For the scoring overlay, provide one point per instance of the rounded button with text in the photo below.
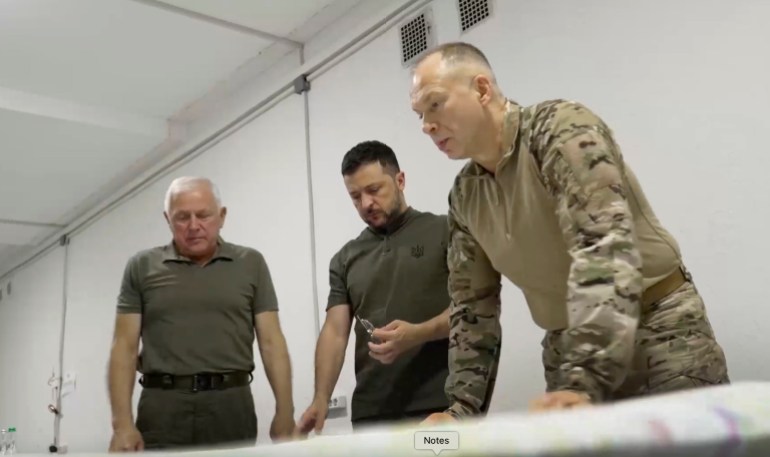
(436, 441)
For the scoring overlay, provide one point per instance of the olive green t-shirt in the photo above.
(400, 274)
(197, 319)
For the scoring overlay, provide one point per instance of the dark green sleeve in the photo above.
(265, 298)
(338, 289)
(130, 296)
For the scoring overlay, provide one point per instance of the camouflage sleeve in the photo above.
(474, 322)
(582, 167)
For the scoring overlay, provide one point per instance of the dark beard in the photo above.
(393, 217)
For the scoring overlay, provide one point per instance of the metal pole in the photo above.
(65, 243)
(30, 223)
(311, 203)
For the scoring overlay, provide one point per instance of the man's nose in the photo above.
(367, 201)
(195, 223)
(428, 127)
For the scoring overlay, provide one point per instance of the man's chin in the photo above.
(197, 248)
(453, 154)
(376, 225)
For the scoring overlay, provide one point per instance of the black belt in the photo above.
(196, 382)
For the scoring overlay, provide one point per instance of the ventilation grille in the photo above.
(416, 37)
(473, 12)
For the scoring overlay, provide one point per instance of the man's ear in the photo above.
(483, 88)
(223, 214)
(401, 180)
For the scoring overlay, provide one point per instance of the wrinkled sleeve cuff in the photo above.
(578, 380)
(459, 411)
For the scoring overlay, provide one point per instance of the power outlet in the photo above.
(337, 403)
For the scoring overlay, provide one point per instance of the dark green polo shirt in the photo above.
(401, 274)
(196, 318)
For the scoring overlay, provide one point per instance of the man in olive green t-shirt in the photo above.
(394, 277)
(196, 304)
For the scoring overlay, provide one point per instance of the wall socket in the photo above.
(338, 402)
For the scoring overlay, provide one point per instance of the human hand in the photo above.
(282, 427)
(395, 338)
(560, 399)
(438, 418)
(126, 439)
(313, 418)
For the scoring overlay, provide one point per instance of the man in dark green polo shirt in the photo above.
(393, 276)
(196, 304)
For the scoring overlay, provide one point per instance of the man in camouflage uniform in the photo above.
(547, 201)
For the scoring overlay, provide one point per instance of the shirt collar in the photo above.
(396, 224)
(224, 251)
(510, 137)
(511, 128)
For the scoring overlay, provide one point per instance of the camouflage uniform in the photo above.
(566, 221)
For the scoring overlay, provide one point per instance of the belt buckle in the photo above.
(201, 382)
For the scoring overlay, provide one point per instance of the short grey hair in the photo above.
(187, 183)
(462, 55)
(457, 52)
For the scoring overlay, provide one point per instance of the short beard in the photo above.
(391, 214)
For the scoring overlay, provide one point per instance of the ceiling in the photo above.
(89, 88)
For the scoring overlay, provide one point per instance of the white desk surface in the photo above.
(724, 421)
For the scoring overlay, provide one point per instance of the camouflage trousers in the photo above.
(675, 349)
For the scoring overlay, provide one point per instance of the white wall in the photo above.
(262, 177)
(682, 84)
(30, 335)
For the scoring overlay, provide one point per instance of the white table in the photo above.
(725, 421)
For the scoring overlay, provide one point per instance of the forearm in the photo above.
(604, 286)
(583, 169)
(329, 358)
(275, 356)
(121, 379)
(474, 322)
(474, 340)
(603, 303)
(434, 329)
